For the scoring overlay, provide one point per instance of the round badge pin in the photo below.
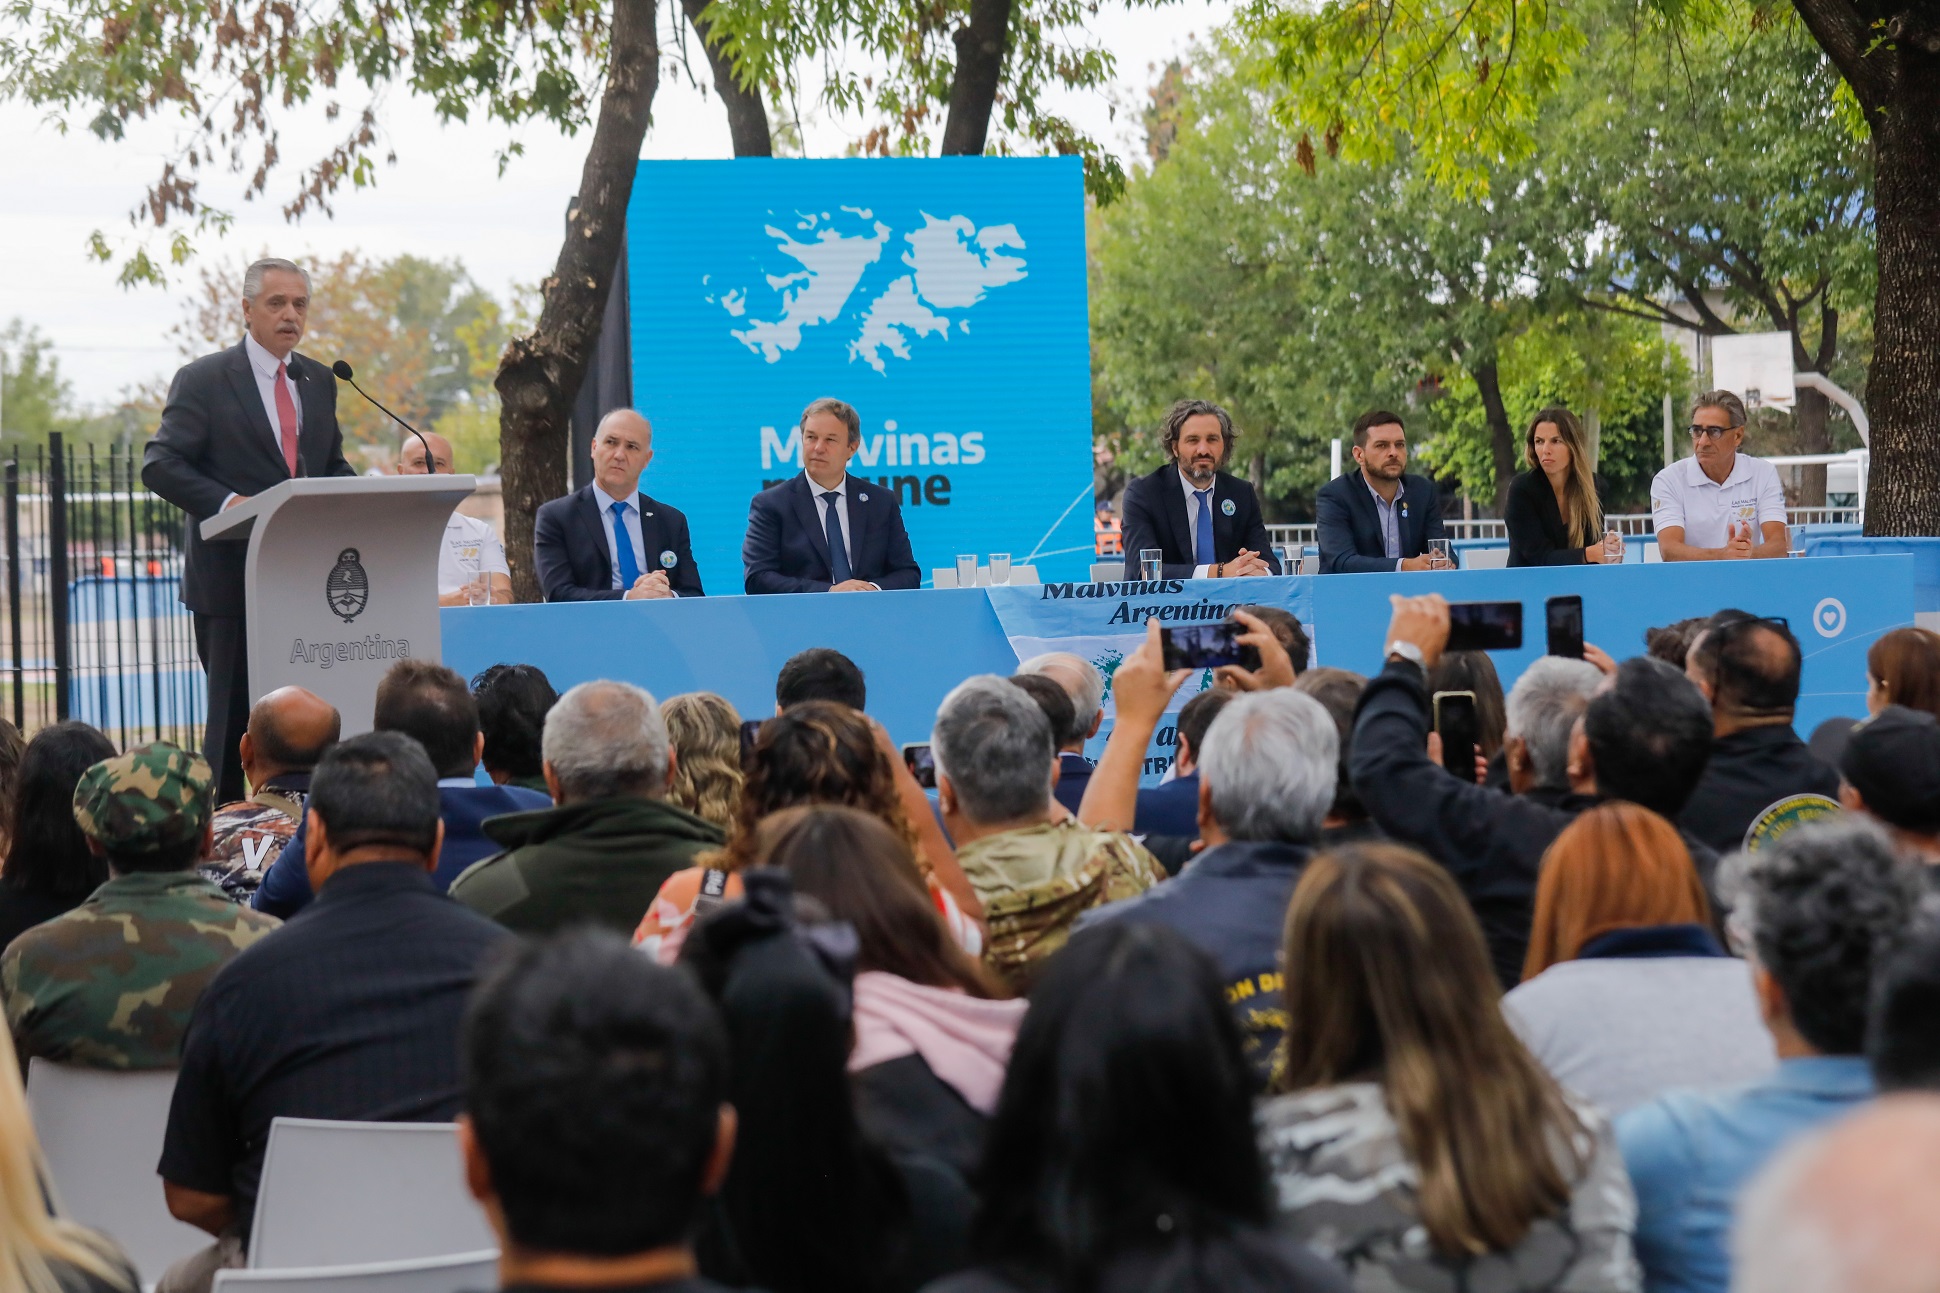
(861, 498)
(668, 560)
(1226, 506)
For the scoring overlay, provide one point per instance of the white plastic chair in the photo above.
(101, 1132)
(462, 1273)
(1107, 572)
(1485, 559)
(942, 577)
(334, 1193)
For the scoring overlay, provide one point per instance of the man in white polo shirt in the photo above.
(1718, 504)
(470, 556)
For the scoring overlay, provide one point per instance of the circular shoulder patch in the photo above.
(668, 560)
(1226, 506)
(1786, 816)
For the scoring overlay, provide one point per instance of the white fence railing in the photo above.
(1627, 523)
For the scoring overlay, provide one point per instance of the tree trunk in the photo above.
(1256, 473)
(1903, 495)
(540, 374)
(981, 46)
(1502, 437)
(1810, 413)
(747, 115)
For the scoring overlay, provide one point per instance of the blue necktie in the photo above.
(1203, 553)
(629, 564)
(832, 524)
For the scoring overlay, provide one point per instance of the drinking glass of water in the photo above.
(966, 570)
(1612, 547)
(1439, 557)
(470, 569)
(1151, 564)
(1289, 554)
(999, 568)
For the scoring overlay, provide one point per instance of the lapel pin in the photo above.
(861, 498)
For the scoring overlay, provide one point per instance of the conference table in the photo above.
(913, 646)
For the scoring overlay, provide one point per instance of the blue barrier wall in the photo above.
(914, 646)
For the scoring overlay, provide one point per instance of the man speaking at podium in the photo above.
(237, 423)
(825, 530)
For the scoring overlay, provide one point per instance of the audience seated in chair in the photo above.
(430, 704)
(289, 729)
(49, 867)
(112, 983)
(1086, 687)
(349, 1012)
(611, 839)
(513, 701)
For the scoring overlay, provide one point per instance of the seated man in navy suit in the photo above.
(825, 530)
(1206, 522)
(1172, 807)
(576, 540)
(1377, 517)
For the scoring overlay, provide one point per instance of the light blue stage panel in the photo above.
(943, 297)
(914, 646)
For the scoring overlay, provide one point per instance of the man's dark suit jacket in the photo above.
(215, 440)
(569, 547)
(1155, 517)
(1350, 528)
(787, 550)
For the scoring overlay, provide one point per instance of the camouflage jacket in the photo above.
(250, 833)
(111, 984)
(1341, 1183)
(1033, 883)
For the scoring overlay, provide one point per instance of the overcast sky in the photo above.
(441, 199)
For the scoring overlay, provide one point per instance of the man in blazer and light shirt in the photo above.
(825, 530)
(1377, 517)
(608, 541)
(238, 422)
(1207, 523)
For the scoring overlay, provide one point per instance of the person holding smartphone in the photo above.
(1719, 504)
(1555, 508)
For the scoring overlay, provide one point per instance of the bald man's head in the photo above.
(289, 729)
(410, 455)
(1749, 666)
(1848, 1210)
(621, 449)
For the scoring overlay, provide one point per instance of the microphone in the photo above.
(345, 373)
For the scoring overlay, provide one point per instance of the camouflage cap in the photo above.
(150, 798)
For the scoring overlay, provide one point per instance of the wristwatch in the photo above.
(1408, 651)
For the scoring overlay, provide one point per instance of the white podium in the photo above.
(342, 581)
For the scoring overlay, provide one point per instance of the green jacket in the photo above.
(112, 983)
(599, 862)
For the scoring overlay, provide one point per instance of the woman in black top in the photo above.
(1555, 509)
(49, 868)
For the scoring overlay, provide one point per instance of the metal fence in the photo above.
(1629, 524)
(95, 628)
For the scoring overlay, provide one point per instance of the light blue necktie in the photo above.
(622, 544)
(1203, 553)
(839, 570)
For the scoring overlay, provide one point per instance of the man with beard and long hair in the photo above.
(1207, 523)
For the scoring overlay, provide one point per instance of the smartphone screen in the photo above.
(1455, 720)
(1484, 626)
(1207, 646)
(1565, 619)
(749, 731)
(921, 764)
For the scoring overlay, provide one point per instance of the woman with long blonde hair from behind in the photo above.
(1414, 1140)
(706, 734)
(40, 1253)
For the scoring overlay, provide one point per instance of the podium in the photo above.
(341, 580)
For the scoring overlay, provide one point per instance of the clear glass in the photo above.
(1151, 564)
(1289, 554)
(999, 568)
(1612, 547)
(469, 570)
(1440, 555)
(966, 570)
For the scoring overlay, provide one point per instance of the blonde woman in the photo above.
(706, 733)
(40, 1253)
(1555, 509)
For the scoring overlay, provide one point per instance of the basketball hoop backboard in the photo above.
(1756, 366)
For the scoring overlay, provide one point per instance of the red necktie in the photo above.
(286, 416)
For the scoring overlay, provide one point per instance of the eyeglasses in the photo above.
(1700, 432)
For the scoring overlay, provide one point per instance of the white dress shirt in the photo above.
(1390, 518)
(1682, 495)
(264, 365)
(1192, 520)
(841, 505)
(468, 539)
(630, 518)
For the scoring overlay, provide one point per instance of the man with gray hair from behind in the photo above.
(1086, 687)
(995, 766)
(1266, 780)
(1542, 708)
(1849, 1209)
(601, 852)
